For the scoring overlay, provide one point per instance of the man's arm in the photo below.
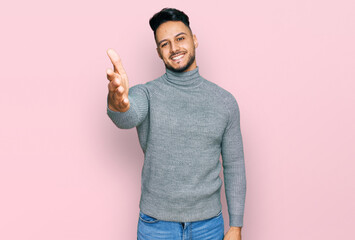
(234, 166)
(127, 107)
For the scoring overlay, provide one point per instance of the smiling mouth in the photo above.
(178, 57)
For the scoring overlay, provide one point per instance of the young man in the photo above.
(184, 123)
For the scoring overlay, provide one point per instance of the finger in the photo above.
(119, 101)
(123, 103)
(116, 62)
(111, 75)
(113, 86)
(120, 90)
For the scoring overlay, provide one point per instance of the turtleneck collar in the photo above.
(184, 79)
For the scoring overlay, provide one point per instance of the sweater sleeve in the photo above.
(137, 112)
(233, 166)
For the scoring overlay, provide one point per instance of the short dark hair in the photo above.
(168, 14)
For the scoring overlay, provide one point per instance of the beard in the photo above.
(182, 68)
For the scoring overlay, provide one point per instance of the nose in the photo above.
(174, 47)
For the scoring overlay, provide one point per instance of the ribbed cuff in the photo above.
(235, 220)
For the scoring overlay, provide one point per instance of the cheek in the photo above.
(166, 55)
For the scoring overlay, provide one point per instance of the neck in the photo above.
(184, 79)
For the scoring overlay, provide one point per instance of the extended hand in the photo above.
(118, 87)
(234, 233)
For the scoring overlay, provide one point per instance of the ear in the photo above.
(159, 53)
(195, 41)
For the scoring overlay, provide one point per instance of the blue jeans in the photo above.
(150, 228)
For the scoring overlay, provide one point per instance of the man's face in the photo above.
(176, 46)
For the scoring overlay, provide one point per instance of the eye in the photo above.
(181, 38)
(164, 44)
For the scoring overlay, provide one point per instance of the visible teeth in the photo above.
(178, 57)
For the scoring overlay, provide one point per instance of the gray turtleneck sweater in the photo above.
(184, 124)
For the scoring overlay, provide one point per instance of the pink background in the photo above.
(68, 173)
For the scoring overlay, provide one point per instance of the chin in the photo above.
(179, 69)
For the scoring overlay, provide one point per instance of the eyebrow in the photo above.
(175, 36)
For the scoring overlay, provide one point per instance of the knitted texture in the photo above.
(184, 124)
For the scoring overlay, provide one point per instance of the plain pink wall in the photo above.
(67, 173)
